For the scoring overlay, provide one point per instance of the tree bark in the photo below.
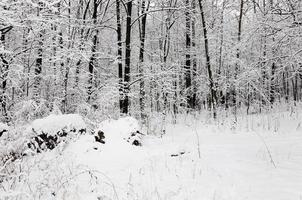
(141, 59)
(38, 65)
(237, 66)
(119, 55)
(208, 60)
(221, 96)
(92, 61)
(194, 61)
(125, 109)
(4, 72)
(188, 80)
(81, 47)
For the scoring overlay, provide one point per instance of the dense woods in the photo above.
(150, 99)
(146, 57)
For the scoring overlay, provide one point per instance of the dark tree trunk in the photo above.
(92, 61)
(208, 61)
(39, 62)
(194, 61)
(188, 80)
(120, 54)
(221, 97)
(78, 64)
(295, 87)
(125, 109)
(264, 72)
(272, 84)
(67, 67)
(3, 77)
(141, 59)
(38, 69)
(237, 66)
(272, 88)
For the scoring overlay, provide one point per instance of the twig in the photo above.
(198, 142)
(268, 150)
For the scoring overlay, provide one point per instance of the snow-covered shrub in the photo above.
(49, 175)
(11, 143)
(11, 153)
(48, 132)
(29, 110)
(96, 112)
(157, 124)
(84, 109)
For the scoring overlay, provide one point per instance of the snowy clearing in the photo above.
(194, 160)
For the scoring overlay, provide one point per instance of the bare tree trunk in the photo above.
(120, 54)
(4, 72)
(26, 60)
(92, 61)
(78, 64)
(194, 61)
(141, 59)
(208, 61)
(237, 67)
(272, 88)
(272, 83)
(264, 73)
(221, 98)
(127, 57)
(295, 87)
(67, 68)
(38, 70)
(62, 57)
(188, 80)
(54, 54)
(39, 61)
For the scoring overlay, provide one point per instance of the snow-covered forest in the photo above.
(151, 99)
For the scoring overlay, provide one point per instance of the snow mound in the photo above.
(115, 154)
(123, 125)
(53, 124)
(117, 131)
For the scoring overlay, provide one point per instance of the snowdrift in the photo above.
(124, 129)
(56, 123)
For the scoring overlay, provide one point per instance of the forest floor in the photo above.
(259, 159)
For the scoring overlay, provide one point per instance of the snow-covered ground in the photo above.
(259, 158)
